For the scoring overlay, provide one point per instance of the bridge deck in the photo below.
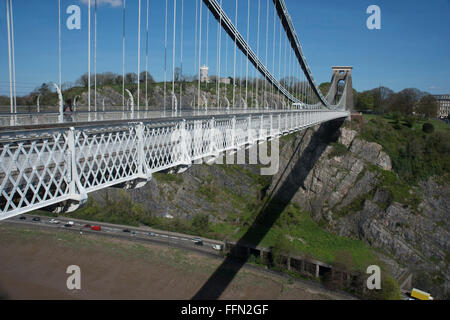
(46, 166)
(52, 119)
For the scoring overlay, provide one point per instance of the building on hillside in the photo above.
(444, 104)
(226, 80)
(204, 74)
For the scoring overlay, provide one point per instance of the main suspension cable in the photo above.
(146, 60)
(173, 54)
(123, 55)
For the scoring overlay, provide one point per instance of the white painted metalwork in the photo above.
(59, 165)
(41, 168)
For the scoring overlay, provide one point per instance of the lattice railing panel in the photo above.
(159, 152)
(42, 168)
(33, 173)
(103, 158)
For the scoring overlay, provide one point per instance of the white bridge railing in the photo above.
(58, 167)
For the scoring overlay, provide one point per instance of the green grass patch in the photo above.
(310, 239)
(338, 150)
(415, 155)
(168, 178)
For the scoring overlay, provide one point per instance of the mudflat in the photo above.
(33, 264)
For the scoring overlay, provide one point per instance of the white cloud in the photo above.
(112, 3)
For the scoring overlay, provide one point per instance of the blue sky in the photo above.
(410, 50)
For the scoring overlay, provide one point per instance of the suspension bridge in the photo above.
(263, 89)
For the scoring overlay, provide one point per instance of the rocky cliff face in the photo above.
(347, 185)
(348, 191)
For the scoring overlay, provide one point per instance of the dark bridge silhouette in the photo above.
(276, 203)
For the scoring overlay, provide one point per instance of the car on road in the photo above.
(54, 221)
(126, 230)
(23, 218)
(36, 219)
(152, 234)
(96, 228)
(217, 247)
(67, 225)
(198, 241)
(88, 226)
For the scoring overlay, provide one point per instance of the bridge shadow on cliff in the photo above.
(283, 192)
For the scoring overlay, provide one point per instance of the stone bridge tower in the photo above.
(341, 74)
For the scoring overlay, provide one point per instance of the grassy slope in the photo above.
(415, 155)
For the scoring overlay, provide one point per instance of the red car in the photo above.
(96, 228)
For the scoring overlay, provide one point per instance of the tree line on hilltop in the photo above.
(382, 100)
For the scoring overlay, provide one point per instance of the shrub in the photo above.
(281, 249)
(200, 223)
(396, 118)
(428, 128)
(390, 290)
(338, 150)
(410, 121)
(344, 260)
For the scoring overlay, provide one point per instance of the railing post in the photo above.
(185, 152)
(279, 123)
(261, 127)
(233, 132)
(76, 190)
(143, 170)
(271, 125)
(286, 122)
(212, 143)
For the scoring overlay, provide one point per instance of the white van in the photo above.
(217, 247)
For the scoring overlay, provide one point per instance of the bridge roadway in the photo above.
(43, 166)
(10, 121)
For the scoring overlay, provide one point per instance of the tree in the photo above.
(178, 74)
(44, 89)
(389, 289)
(83, 81)
(149, 77)
(404, 102)
(428, 107)
(118, 79)
(67, 86)
(200, 223)
(107, 79)
(428, 128)
(325, 87)
(131, 78)
(281, 250)
(365, 101)
(380, 98)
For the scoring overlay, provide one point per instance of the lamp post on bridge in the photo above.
(75, 103)
(132, 103)
(60, 97)
(38, 105)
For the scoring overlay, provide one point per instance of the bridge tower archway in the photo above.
(341, 74)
